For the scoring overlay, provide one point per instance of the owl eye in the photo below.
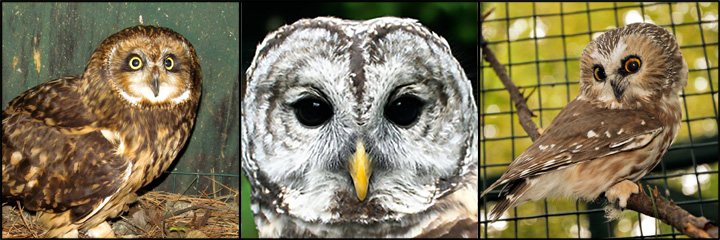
(599, 73)
(632, 64)
(135, 63)
(312, 111)
(169, 63)
(404, 110)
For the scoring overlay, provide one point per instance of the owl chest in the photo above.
(150, 150)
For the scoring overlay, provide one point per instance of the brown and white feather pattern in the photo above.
(614, 132)
(76, 149)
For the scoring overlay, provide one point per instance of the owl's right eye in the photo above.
(599, 73)
(135, 63)
(312, 111)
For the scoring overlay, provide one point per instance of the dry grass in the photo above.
(155, 215)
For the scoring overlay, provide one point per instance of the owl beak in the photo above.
(155, 82)
(360, 170)
(618, 86)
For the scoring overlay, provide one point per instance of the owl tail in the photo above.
(518, 188)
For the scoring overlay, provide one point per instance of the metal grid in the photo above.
(556, 73)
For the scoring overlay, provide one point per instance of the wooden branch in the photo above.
(524, 113)
(668, 212)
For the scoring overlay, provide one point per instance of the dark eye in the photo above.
(169, 63)
(312, 111)
(135, 63)
(404, 110)
(599, 73)
(632, 64)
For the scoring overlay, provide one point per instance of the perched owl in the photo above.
(76, 149)
(615, 131)
(359, 129)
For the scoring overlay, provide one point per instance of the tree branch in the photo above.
(668, 212)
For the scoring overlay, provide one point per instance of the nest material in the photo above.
(155, 215)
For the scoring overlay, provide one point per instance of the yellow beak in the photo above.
(360, 170)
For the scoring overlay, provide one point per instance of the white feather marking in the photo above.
(182, 97)
(607, 134)
(591, 134)
(526, 171)
(543, 147)
(614, 145)
(642, 122)
(621, 131)
(548, 163)
(131, 99)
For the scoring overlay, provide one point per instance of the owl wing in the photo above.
(56, 103)
(48, 164)
(582, 132)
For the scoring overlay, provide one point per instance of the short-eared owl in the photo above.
(76, 149)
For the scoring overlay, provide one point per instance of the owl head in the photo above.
(146, 66)
(356, 121)
(629, 66)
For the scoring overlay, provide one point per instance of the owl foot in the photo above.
(102, 230)
(621, 191)
(71, 234)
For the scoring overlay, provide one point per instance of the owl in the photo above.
(359, 129)
(76, 149)
(626, 115)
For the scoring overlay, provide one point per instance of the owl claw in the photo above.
(620, 192)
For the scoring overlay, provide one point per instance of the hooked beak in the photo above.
(618, 86)
(155, 84)
(360, 170)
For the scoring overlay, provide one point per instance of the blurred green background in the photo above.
(549, 66)
(46, 41)
(456, 22)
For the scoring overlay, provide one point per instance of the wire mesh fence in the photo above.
(540, 45)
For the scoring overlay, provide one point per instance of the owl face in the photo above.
(624, 66)
(148, 66)
(350, 121)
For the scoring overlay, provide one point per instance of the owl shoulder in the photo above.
(56, 103)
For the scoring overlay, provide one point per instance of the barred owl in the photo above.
(625, 117)
(76, 149)
(359, 129)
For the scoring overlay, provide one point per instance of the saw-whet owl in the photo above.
(623, 120)
(76, 149)
(359, 129)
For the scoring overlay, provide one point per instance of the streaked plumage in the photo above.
(614, 132)
(359, 129)
(76, 149)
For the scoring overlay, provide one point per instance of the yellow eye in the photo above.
(632, 64)
(169, 63)
(599, 73)
(135, 63)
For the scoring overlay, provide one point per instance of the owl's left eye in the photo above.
(169, 63)
(404, 110)
(632, 64)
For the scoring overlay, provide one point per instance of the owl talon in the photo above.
(620, 192)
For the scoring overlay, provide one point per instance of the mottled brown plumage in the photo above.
(614, 132)
(75, 149)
